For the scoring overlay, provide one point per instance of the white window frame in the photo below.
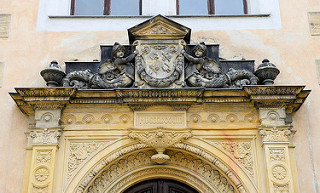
(54, 15)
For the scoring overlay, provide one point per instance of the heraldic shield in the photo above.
(159, 63)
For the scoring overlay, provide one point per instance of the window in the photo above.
(106, 7)
(217, 7)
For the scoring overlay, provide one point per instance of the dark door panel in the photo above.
(160, 186)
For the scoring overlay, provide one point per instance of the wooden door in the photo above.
(160, 186)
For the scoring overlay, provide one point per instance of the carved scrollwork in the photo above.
(78, 79)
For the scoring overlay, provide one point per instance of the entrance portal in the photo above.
(160, 186)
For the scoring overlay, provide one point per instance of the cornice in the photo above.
(289, 97)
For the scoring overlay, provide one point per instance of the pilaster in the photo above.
(276, 137)
(44, 108)
(275, 105)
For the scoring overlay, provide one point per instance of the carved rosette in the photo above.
(160, 139)
(42, 169)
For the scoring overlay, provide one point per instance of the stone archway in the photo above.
(188, 164)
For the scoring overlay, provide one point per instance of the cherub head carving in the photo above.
(200, 50)
(118, 50)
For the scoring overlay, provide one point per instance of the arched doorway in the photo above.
(160, 186)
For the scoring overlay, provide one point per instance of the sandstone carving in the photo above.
(41, 174)
(124, 165)
(160, 139)
(45, 136)
(80, 152)
(159, 58)
(242, 151)
(43, 157)
(205, 72)
(115, 73)
(277, 155)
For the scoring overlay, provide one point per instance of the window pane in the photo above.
(223, 7)
(125, 7)
(193, 7)
(88, 7)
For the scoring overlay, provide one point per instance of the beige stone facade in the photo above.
(68, 140)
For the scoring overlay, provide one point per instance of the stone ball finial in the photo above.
(53, 74)
(267, 72)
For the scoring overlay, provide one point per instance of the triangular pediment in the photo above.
(159, 28)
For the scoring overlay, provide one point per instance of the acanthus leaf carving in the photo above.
(242, 151)
(45, 136)
(160, 139)
(276, 134)
(80, 152)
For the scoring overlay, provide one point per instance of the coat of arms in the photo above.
(159, 64)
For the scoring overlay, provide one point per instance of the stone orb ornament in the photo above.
(53, 74)
(267, 72)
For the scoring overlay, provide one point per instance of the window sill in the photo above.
(149, 16)
(122, 23)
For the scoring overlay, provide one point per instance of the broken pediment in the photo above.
(159, 28)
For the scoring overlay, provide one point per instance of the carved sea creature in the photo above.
(205, 72)
(115, 73)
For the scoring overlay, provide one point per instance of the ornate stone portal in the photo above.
(158, 112)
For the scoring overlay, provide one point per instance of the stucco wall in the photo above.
(28, 50)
